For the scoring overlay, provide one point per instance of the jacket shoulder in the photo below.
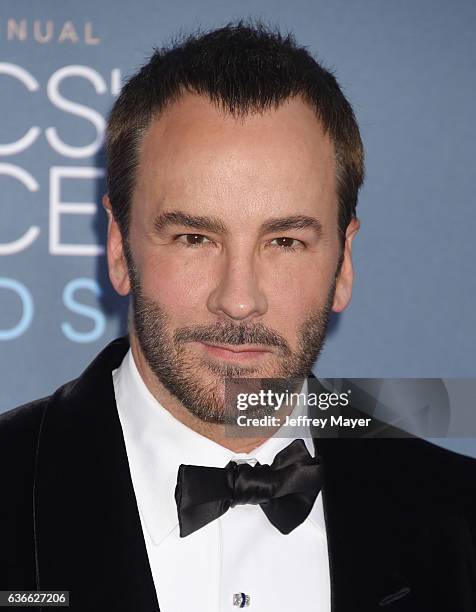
(20, 426)
(407, 470)
(20, 429)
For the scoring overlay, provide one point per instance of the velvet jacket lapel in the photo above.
(363, 539)
(88, 534)
(381, 532)
(401, 522)
(363, 543)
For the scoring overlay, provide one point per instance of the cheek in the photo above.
(179, 286)
(293, 298)
(306, 286)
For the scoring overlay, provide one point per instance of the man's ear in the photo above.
(345, 278)
(116, 261)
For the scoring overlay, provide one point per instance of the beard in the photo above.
(165, 351)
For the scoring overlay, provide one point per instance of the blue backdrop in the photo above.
(409, 70)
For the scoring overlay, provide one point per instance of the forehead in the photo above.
(196, 156)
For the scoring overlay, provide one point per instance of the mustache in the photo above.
(235, 335)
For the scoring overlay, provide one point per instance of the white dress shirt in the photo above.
(240, 552)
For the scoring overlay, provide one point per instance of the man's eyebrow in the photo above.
(215, 225)
(175, 217)
(295, 222)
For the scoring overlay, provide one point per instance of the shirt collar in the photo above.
(157, 443)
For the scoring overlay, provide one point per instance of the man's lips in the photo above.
(242, 352)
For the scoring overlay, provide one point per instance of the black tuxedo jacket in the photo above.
(400, 513)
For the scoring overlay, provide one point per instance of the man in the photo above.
(234, 164)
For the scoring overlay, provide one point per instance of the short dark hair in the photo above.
(241, 67)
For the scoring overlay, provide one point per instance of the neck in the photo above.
(213, 431)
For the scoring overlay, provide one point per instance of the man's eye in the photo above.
(287, 244)
(192, 240)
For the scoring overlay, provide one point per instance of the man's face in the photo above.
(233, 248)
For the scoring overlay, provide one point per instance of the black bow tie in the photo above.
(286, 490)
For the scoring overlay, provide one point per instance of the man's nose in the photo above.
(237, 293)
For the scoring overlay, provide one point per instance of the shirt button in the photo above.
(241, 600)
